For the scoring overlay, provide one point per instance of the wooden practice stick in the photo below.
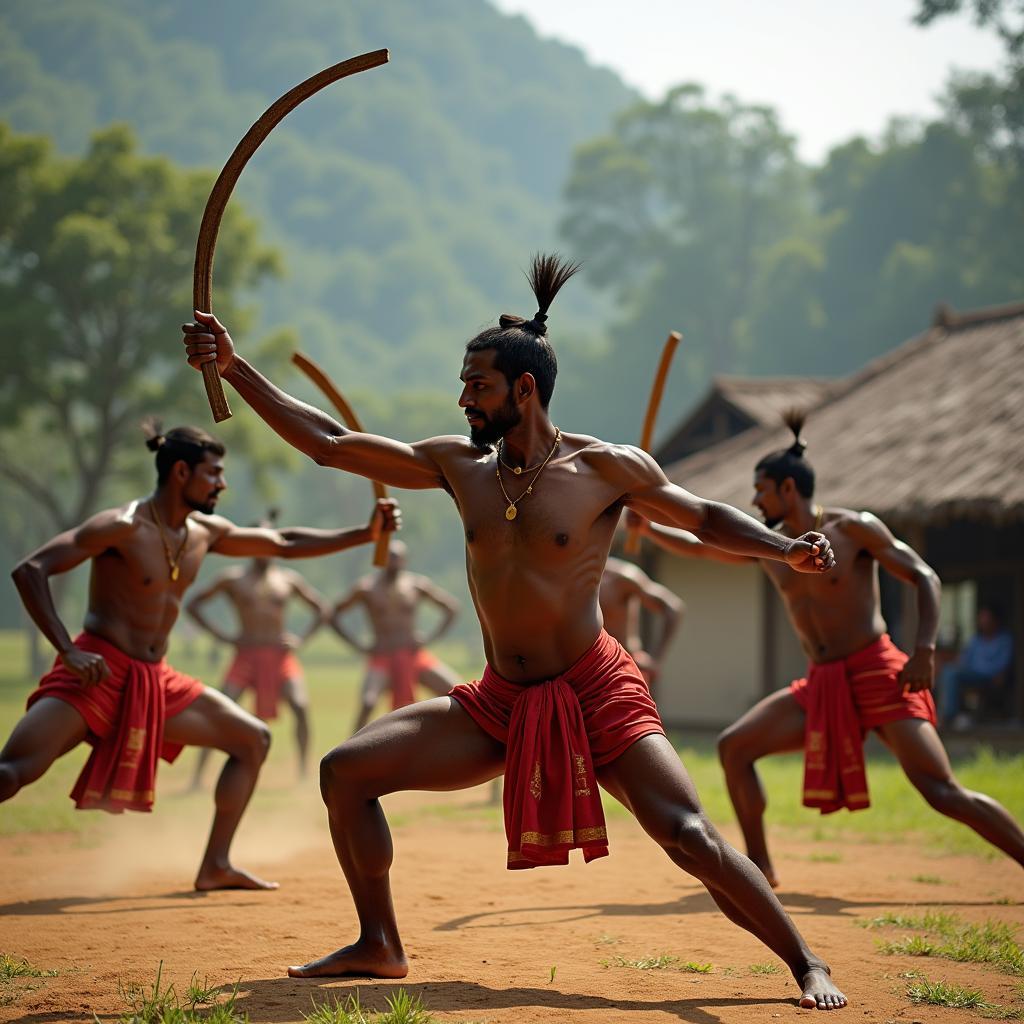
(647, 435)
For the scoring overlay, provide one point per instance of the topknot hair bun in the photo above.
(795, 420)
(153, 430)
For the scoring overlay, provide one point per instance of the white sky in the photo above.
(832, 68)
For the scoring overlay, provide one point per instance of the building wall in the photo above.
(714, 669)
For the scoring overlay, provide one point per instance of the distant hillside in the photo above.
(406, 200)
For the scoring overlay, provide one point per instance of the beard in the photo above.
(206, 507)
(771, 521)
(494, 427)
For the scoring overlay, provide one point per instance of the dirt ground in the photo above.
(483, 941)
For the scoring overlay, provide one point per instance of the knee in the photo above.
(692, 841)
(946, 796)
(339, 772)
(257, 743)
(698, 844)
(732, 750)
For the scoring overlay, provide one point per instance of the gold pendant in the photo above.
(517, 470)
(174, 572)
(511, 513)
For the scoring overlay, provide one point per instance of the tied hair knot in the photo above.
(795, 419)
(154, 431)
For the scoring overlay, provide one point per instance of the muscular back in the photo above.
(839, 612)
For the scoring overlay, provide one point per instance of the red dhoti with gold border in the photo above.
(555, 733)
(125, 715)
(265, 669)
(843, 699)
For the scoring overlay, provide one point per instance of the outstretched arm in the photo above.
(32, 578)
(301, 542)
(195, 605)
(682, 542)
(907, 565)
(648, 491)
(448, 605)
(305, 427)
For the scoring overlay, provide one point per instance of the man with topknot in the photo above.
(111, 685)
(561, 707)
(858, 680)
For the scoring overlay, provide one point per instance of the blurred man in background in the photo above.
(265, 659)
(397, 654)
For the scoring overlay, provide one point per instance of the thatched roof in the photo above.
(734, 404)
(930, 431)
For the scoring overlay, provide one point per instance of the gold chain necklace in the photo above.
(172, 560)
(511, 511)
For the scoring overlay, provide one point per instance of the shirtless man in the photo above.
(398, 656)
(111, 686)
(858, 680)
(568, 697)
(264, 649)
(625, 589)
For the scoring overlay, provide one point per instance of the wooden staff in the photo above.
(647, 436)
(351, 420)
(202, 274)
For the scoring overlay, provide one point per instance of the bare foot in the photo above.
(361, 959)
(820, 991)
(229, 878)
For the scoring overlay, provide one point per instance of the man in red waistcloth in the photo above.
(110, 686)
(398, 658)
(265, 659)
(625, 589)
(858, 679)
(561, 706)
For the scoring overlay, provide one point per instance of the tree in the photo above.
(95, 277)
(996, 13)
(674, 210)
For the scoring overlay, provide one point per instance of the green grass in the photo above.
(12, 967)
(947, 936)
(156, 1004)
(402, 1009)
(764, 969)
(929, 879)
(941, 993)
(662, 962)
(826, 858)
(693, 967)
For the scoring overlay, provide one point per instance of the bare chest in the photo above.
(852, 571)
(567, 511)
(147, 569)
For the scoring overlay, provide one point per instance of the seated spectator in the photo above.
(983, 665)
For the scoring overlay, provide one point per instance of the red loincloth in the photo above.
(125, 715)
(555, 733)
(844, 699)
(403, 669)
(266, 669)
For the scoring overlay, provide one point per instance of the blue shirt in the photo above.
(988, 655)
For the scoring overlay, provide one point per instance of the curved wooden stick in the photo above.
(202, 274)
(351, 420)
(647, 434)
